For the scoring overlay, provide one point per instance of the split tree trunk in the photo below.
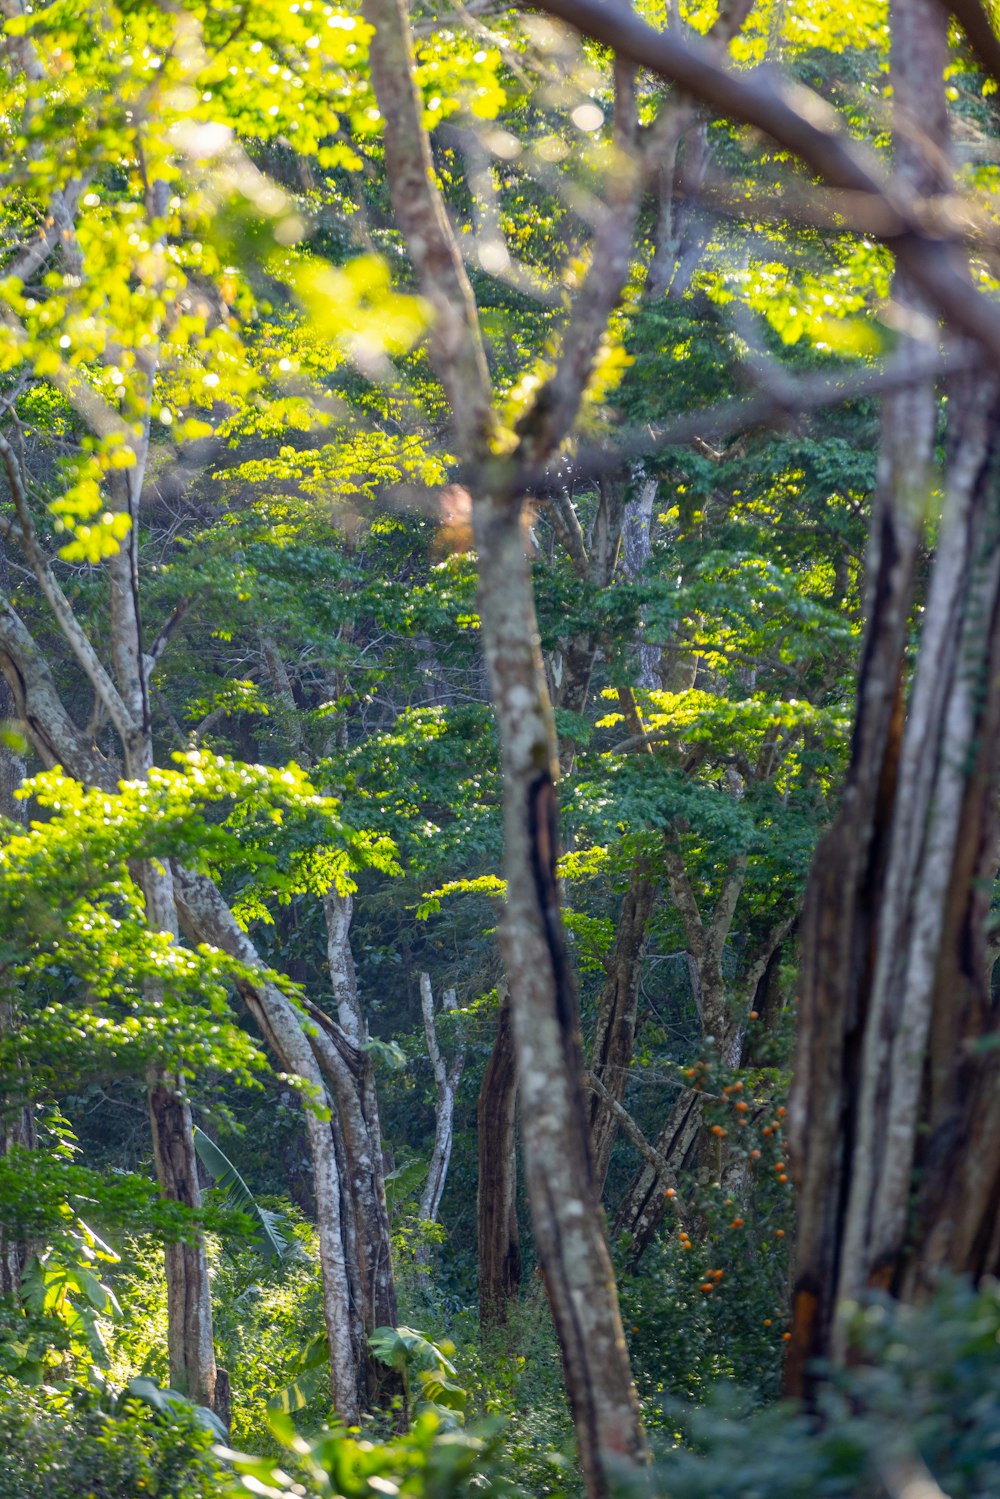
(895, 1117)
(499, 1238)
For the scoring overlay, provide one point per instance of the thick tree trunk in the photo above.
(614, 1031)
(499, 1239)
(873, 937)
(566, 1214)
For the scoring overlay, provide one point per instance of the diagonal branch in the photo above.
(53, 734)
(649, 1153)
(68, 623)
(456, 346)
(800, 121)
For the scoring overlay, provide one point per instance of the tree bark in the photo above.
(342, 1053)
(614, 1031)
(208, 919)
(189, 1309)
(446, 1081)
(566, 1212)
(499, 1238)
(892, 994)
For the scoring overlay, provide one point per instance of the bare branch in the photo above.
(785, 399)
(168, 627)
(456, 343)
(803, 123)
(629, 1127)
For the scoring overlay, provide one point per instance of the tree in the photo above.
(871, 995)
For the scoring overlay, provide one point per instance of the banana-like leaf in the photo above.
(311, 1377)
(273, 1243)
(167, 1402)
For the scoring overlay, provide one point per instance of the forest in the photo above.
(499, 749)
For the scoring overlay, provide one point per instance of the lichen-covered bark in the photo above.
(888, 1080)
(446, 1081)
(566, 1214)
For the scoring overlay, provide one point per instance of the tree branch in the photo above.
(803, 123)
(68, 623)
(629, 1127)
(456, 346)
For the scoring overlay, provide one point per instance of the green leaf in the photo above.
(273, 1243)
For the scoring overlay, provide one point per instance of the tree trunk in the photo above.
(637, 546)
(875, 946)
(446, 1080)
(566, 1214)
(347, 1066)
(614, 1031)
(499, 1239)
(569, 1229)
(209, 919)
(189, 1308)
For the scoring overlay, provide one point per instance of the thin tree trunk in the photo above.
(189, 1320)
(446, 1081)
(614, 1031)
(347, 1066)
(499, 1238)
(209, 919)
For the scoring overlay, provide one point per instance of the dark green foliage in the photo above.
(926, 1400)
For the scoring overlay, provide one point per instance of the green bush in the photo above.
(69, 1445)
